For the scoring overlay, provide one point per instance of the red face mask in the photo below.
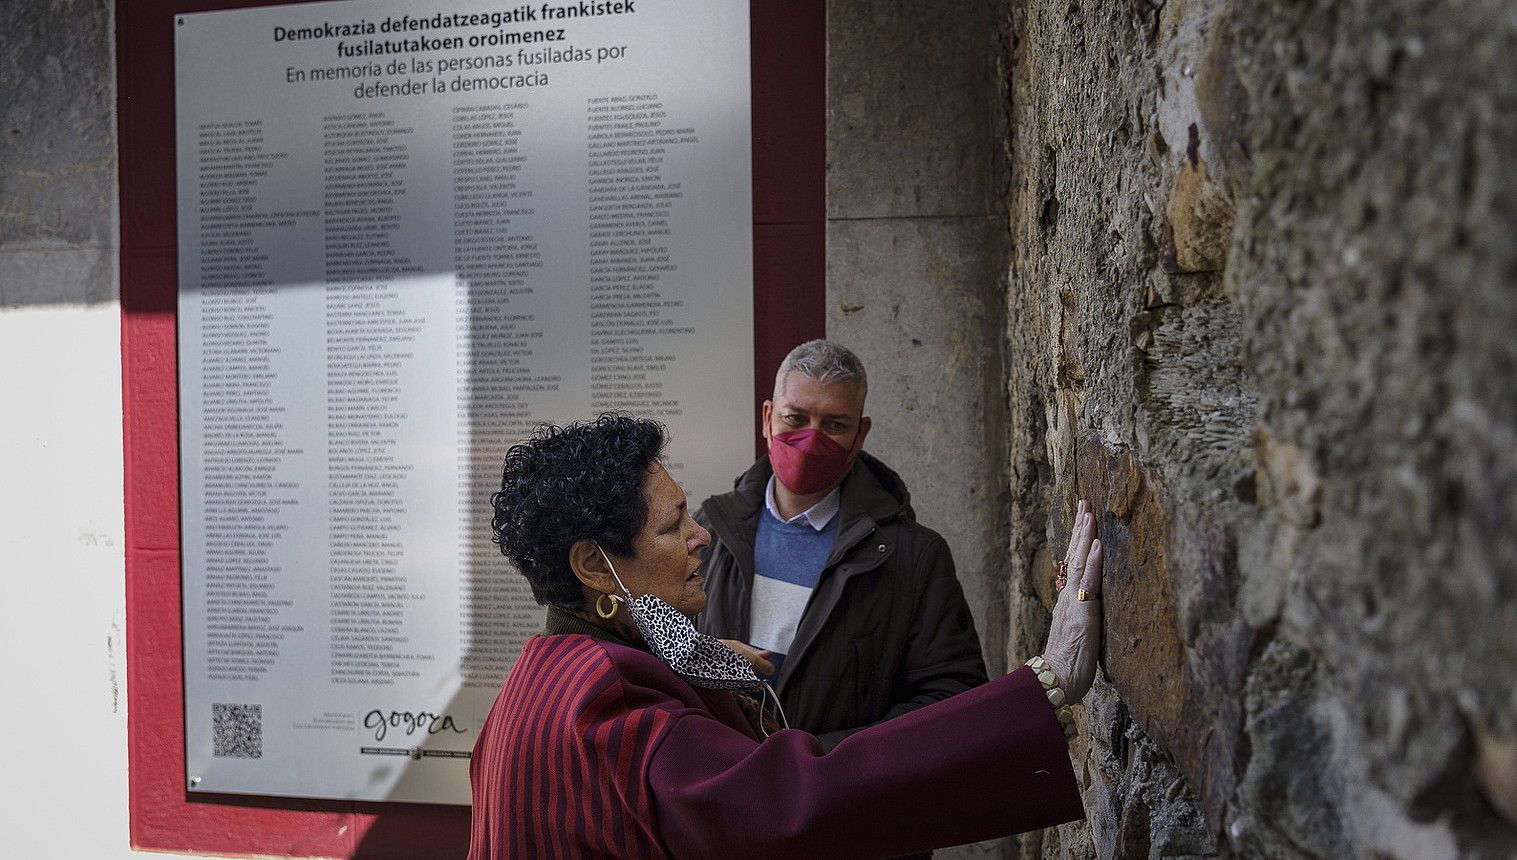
(808, 461)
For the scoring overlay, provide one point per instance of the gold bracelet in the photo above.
(1055, 695)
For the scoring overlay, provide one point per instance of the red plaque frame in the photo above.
(789, 127)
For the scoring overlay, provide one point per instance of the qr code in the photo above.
(237, 731)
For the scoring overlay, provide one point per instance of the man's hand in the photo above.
(1074, 640)
(757, 657)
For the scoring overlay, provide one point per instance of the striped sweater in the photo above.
(596, 749)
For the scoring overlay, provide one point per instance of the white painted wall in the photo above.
(63, 655)
(63, 777)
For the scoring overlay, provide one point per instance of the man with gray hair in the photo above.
(818, 571)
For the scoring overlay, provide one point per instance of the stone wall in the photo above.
(1261, 310)
(57, 154)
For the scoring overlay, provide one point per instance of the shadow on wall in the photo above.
(57, 155)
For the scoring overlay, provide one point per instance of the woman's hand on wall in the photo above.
(1074, 640)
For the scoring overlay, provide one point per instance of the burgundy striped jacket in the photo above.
(597, 749)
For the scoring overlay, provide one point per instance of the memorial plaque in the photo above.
(408, 232)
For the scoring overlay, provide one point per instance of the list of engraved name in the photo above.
(337, 499)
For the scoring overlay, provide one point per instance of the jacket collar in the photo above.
(874, 490)
(562, 621)
(729, 706)
(871, 490)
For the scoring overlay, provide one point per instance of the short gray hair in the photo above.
(825, 361)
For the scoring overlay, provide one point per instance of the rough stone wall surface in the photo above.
(1260, 310)
(57, 153)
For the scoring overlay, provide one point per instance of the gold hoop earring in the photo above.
(602, 611)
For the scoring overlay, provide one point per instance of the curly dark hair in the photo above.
(565, 484)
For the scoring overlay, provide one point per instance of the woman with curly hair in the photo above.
(623, 732)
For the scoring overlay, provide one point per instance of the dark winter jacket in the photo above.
(886, 630)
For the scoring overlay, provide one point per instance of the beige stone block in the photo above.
(913, 119)
(919, 301)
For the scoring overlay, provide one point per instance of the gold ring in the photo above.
(1082, 595)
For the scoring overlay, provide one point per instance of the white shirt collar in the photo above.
(817, 516)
